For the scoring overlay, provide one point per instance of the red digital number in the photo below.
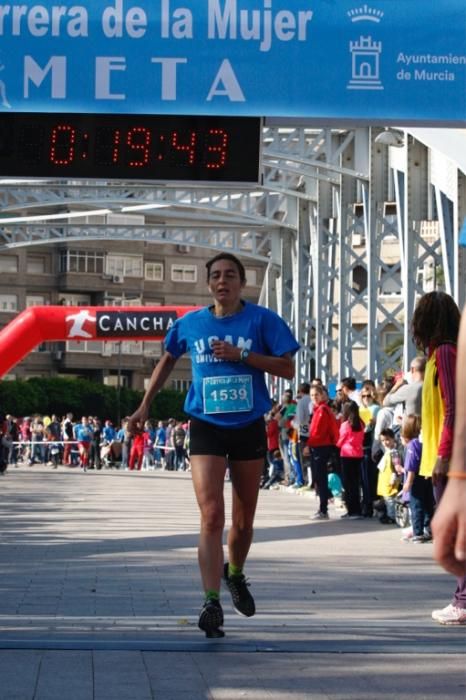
(188, 148)
(138, 141)
(62, 144)
(116, 146)
(218, 150)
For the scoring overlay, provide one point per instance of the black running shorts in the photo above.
(242, 444)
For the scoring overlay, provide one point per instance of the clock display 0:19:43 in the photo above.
(129, 146)
(137, 147)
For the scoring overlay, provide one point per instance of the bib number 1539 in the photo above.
(228, 394)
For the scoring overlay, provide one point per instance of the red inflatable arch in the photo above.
(43, 323)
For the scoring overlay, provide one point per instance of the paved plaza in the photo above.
(99, 597)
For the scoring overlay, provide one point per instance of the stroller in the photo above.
(402, 515)
(110, 454)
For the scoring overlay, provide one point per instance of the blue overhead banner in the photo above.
(395, 60)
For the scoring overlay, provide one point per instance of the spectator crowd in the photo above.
(90, 443)
(361, 447)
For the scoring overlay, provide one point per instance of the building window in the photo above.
(251, 277)
(35, 265)
(83, 346)
(152, 348)
(124, 265)
(359, 336)
(359, 279)
(35, 300)
(8, 302)
(8, 263)
(75, 299)
(392, 340)
(116, 381)
(184, 273)
(122, 300)
(153, 271)
(181, 384)
(390, 279)
(89, 262)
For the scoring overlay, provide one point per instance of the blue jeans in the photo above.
(284, 449)
(390, 503)
(421, 504)
(296, 463)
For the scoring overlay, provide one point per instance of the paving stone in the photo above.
(100, 592)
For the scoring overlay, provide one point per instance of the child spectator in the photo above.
(293, 453)
(276, 470)
(335, 485)
(416, 488)
(388, 481)
(350, 442)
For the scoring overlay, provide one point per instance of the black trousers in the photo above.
(320, 457)
(351, 473)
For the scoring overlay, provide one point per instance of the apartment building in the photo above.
(107, 274)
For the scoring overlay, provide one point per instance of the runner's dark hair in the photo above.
(436, 320)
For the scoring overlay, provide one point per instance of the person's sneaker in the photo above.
(319, 516)
(211, 619)
(418, 539)
(451, 615)
(243, 602)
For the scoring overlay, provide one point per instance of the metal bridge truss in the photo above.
(351, 231)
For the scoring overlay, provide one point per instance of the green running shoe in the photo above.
(243, 602)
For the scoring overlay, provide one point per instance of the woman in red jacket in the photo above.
(323, 436)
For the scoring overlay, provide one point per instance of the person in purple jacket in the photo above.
(416, 489)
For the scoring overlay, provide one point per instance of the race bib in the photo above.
(228, 394)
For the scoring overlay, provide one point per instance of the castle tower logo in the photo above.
(365, 52)
(365, 14)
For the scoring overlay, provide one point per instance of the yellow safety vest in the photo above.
(433, 413)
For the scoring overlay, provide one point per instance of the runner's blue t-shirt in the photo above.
(229, 394)
(83, 433)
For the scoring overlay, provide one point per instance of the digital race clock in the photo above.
(148, 147)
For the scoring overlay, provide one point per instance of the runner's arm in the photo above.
(159, 376)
